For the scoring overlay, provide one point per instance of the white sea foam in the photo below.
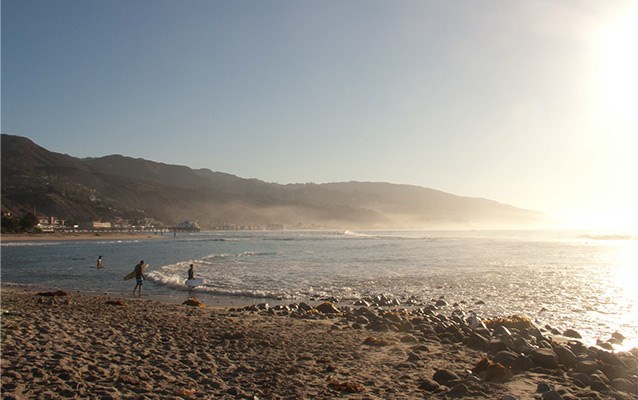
(553, 277)
(30, 244)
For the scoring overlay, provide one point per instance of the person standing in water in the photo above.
(191, 272)
(139, 278)
(99, 262)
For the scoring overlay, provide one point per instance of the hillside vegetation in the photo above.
(114, 186)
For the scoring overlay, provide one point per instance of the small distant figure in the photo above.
(139, 278)
(99, 262)
(191, 272)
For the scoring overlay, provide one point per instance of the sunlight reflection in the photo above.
(626, 281)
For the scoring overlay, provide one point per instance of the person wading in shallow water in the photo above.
(99, 262)
(191, 275)
(139, 278)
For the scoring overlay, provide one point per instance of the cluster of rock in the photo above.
(510, 346)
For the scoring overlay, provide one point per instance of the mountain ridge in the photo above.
(115, 186)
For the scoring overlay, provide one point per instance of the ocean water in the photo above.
(568, 279)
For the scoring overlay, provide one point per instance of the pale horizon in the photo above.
(531, 104)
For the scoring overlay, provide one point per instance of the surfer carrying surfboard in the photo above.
(139, 278)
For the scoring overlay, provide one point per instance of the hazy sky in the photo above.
(531, 103)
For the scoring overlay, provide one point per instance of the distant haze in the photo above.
(114, 188)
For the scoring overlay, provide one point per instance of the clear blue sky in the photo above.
(531, 103)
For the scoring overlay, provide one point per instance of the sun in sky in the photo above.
(619, 63)
(615, 100)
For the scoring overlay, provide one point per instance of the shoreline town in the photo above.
(72, 345)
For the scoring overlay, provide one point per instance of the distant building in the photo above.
(187, 225)
(101, 225)
(49, 223)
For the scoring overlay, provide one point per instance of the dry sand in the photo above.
(79, 346)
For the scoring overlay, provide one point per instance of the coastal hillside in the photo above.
(114, 187)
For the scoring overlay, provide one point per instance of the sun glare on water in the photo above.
(626, 278)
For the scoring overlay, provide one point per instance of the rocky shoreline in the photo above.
(77, 346)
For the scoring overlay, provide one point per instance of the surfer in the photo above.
(191, 272)
(99, 262)
(139, 278)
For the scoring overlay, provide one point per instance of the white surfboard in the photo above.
(194, 282)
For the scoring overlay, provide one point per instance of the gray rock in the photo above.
(624, 385)
(545, 358)
(543, 387)
(303, 306)
(565, 356)
(600, 376)
(444, 376)
(586, 367)
(496, 345)
(598, 386)
(460, 390)
(580, 379)
(523, 363)
(552, 395)
(429, 385)
(618, 336)
(421, 347)
(477, 341)
(605, 345)
(409, 339)
(506, 358)
(441, 303)
(572, 334)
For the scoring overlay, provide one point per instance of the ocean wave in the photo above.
(29, 244)
(380, 235)
(619, 237)
(178, 283)
(257, 253)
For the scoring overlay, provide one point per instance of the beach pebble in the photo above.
(409, 339)
(618, 336)
(543, 387)
(598, 386)
(586, 367)
(624, 385)
(545, 358)
(505, 357)
(552, 395)
(440, 303)
(460, 390)
(444, 377)
(565, 356)
(571, 333)
(477, 341)
(429, 385)
(580, 379)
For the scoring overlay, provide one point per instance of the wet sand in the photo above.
(71, 236)
(80, 346)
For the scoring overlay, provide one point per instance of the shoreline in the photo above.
(115, 347)
(79, 236)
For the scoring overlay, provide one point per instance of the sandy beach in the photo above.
(37, 237)
(87, 346)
